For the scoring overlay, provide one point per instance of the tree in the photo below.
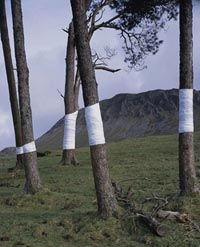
(72, 86)
(187, 175)
(33, 182)
(95, 23)
(139, 23)
(107, 204)
(11, 85)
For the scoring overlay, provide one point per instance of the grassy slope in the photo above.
(64, 214)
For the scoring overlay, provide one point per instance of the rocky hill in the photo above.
(128, 115)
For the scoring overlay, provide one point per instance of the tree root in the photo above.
(68, 158)
(69, 162)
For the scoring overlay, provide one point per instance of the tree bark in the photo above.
(68, 155)
(187, 175)
(107, 204)
(11, 83)
(33, 182)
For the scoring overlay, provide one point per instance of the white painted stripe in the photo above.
(186, 121)
(94, 125)
(19, 150)
(69, 131)
(29, 147)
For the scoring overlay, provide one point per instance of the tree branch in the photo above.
(106, 69)
(87, 4)
(100, 59)
(105, 24)
(60, 93)
(65, 30)
(94, 15)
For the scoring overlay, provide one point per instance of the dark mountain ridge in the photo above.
(128, 115)
(125, 116)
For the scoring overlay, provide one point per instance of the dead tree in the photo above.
(70, 102)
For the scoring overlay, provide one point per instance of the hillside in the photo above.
(64, 213)
(128, 115)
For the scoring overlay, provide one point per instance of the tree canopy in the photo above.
(138, 23)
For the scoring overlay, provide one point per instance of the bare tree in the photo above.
(187, 175)
(33, 182)
(11, 85)
(72, 85)
(107, 204)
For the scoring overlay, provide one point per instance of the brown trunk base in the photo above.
(107, 203)
(33, 182)
(187, 174)
(69, 158)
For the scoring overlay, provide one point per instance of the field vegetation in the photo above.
(64, 213)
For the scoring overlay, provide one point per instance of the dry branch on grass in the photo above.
(136, 214)
(180, 218)
(154, 219)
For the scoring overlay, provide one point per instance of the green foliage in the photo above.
(140, 23)
(64, 213)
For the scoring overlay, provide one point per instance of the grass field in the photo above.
(64, 213)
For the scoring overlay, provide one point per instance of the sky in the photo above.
(45, 44)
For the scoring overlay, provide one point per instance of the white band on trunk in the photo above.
(29, 147)
(94, 125)
(186, 122)
(69, 130)
(19, 150)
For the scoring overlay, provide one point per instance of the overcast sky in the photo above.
(46, 47)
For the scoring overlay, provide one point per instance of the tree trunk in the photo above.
(33, 182)
(11, 83)
(107, 204)
(68, 155)
(72, 95)
(69, 158)
(187, 175)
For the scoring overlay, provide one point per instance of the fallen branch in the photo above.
(171, 215)
(179, 217)
(154, 219)
(153, 224)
